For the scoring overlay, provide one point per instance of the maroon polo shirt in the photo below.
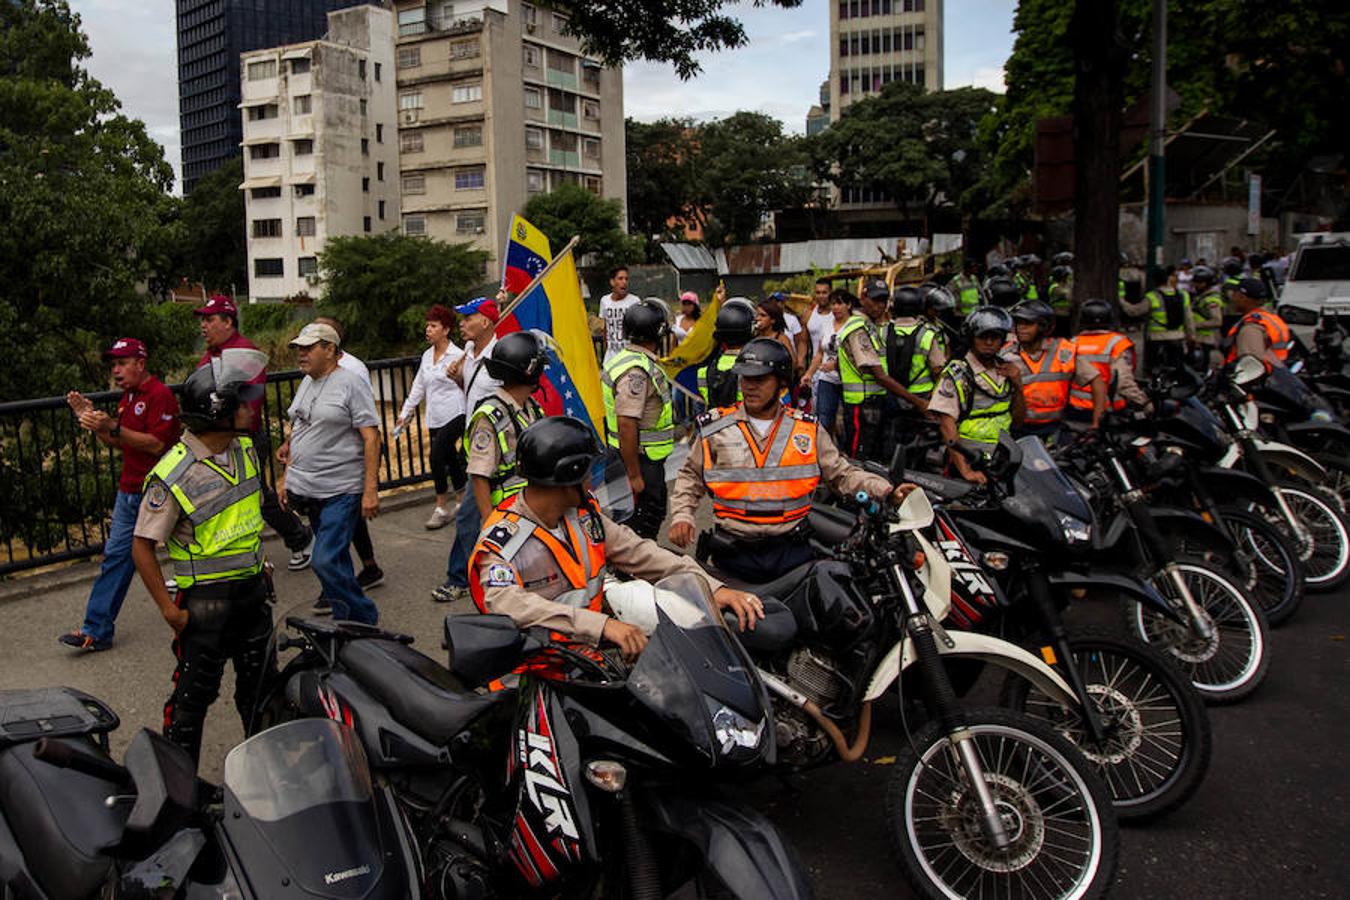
(150, 408)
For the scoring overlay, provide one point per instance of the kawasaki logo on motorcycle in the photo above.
(335, 877)
(543, 784)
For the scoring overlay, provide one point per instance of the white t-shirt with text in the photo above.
(612, 311)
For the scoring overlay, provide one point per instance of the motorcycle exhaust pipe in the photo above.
(805, 704)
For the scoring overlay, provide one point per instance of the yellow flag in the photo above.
(697, 344)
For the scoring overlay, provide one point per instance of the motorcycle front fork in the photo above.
(1257, 464)
(1038, 588)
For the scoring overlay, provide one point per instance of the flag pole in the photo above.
(557, 258)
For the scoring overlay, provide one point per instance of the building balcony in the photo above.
(562, 119)
(566, 158)
(561, 79)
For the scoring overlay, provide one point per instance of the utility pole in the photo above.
(1157, 177)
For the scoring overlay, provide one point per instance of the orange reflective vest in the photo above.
(1046, 384)
(580, 558)
(1277, 334)
(1101, 349)
(779, 486)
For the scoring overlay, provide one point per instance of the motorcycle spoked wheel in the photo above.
(1337, 482)
(1228, 666)
(1266, 566)
(1065, 840)
(1325, 551)
(1158, 737)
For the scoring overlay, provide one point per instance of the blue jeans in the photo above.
(334, 521)
(110, 588)
(826, 402)
(467, 525)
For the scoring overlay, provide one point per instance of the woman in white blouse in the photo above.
(445, 409)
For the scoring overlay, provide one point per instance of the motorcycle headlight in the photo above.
(734, 732)
(1322, 417)
(1076, 531)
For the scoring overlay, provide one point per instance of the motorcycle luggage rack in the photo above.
(56, 712)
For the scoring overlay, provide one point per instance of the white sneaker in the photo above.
(300, 559)
(440, 517)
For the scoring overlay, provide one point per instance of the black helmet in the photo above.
(1062, 258)
(937, 298)
(1015, 262)
(1203, 274)
(557, 451)
(1231, 266)
(1255, 261)
(735, 322)
(518, 358)
(212, 394)
(1034, 311)
(996, 271)
(1061, 273)
(645, 321)
(1002, 292)
(764, 356)
(906, 300)
(985, 320)
(1031, 259)
(1096, 313)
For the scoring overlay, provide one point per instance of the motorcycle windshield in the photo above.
(695, 677)
(295, 767)
(1043, 496)
(1202, 422)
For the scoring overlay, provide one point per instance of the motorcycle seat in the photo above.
(940, 486)
(772, 633)
(420, 693)
(59, 821)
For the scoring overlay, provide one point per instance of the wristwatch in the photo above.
(115, 431)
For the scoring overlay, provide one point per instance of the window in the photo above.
(464, 49)
(562, 62)
(304, 226)
(365, 146)
(301, 105)
(590, 110)
(590, 72)
(469, 136)
(301, 190)
(409, 57)
(843, 9)
(562, 101)
(471, 222)
(303, 147)
(470, 179)
(410, 142)
(266, 228)
(381, 211)
(564, 141)
(414, 184)
(257, 71)
(592, 184)
(414, 225)
(534, 98)
(531, 56)
(268, 268)
(410, 100)
(378, 67)
(365, 185)
(534, 139)
(361, 69)
(365, 224)
(379, 133)
(363, 107)
(866, 44)
(590, 148)
(466, 93)
(412, 21)
(265, 193)
(527, 14)
(264, 151)
(379, 171)
(300, 66)
(918, 40)
(843, 45)
(307, 265)
(534, 181)
(559, 22)
(266, 111)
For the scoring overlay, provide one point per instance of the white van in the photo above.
(1318, 283)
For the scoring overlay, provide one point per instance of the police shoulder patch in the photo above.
(707, 418)
(500, 575)
(637, 385)
(595, 529)
(156, 494)
(500, 533)
(482, 441)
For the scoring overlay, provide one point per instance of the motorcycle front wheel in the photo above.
(1325, 549)
(1225, 667)
(1266, 563)
(1064, 837)
(1156, 745)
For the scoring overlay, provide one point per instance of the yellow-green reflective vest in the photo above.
(986, 406)
(859, 385)
(1157, 313)
(921, 379)
(967, 293)
(1206, 334)
(723, 363)
(1120, 289)
(1027, 285)
(505, 482)
(656, 443)
(226, 540)
(1061, 296)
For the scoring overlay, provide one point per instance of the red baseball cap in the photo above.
(481, 305)
(219, 304)
(124, 347)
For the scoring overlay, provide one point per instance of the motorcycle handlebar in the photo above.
(67, 756)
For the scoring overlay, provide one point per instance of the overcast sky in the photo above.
(779, 73)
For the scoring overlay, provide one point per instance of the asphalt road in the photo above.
(1271, 819)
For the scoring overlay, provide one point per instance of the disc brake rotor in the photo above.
(1022, 819)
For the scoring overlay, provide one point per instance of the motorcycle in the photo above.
(297, 815)
(1012, 545)
(1291, 412)
(587, 777)
(975, 795)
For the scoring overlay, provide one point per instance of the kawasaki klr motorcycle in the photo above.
(1019, 547)
(297, 817)
(583, 776)
(981, 802)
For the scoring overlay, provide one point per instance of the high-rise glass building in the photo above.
(211, 35)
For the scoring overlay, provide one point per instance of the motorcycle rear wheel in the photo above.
(1266, 566)
(1158, 742)
(1234, 662)
(1065, 840)
(1325, 553)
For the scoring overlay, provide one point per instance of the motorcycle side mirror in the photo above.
(1248, 370)
(166, 784)
(482, 646)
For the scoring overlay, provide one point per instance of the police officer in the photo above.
(1111, 353)
(639, 418)
(544, 553)
(1260, 332)
(490, 438)
(1002, 292)
(1170, 325)
(1207, 306)
(915, 352)
(1060, 293)
(966, 286)
(1231, 267)
(203, 500)
(1025, 275)
(735, 326)
(1049, 367)
(979, 396)
(939, 311)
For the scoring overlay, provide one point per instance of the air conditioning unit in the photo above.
(407, 117)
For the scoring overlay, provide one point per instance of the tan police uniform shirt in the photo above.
(1252, 340)
(636, 397)
(530, 603)
(485, 452)
(160, 517)
(729, 449)
(946, 401)
(859, 348)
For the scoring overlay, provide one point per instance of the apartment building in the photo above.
(495, 105)
(320, 141)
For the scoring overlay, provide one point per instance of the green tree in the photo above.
(214, 241)
(745, 168)
(83, 208)
(661, 172)
(380, 286)
(573, 210)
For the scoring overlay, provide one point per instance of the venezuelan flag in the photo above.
(527, 253)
